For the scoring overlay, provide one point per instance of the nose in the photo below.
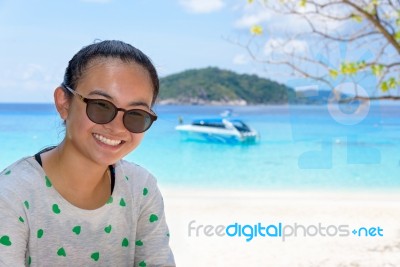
(116, 125)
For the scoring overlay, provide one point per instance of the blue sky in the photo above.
(38, 38)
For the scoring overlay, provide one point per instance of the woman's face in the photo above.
(127, 86)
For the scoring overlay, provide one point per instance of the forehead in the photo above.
(117, 78)
(108, 64)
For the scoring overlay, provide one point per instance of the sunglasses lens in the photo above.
(100, 111)
(137, 121)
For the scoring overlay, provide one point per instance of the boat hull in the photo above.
(210, 134)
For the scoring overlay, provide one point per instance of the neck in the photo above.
(73, 170)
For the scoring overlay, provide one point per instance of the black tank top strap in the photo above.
(37, 155)
(38, 159)
(112, 172)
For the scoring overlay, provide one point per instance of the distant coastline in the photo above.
(215, 87)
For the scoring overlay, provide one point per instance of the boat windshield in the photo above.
(219, 123)
(209, 123)
(241, 126)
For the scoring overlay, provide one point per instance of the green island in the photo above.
(214, 86)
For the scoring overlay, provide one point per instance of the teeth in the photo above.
(106, 140)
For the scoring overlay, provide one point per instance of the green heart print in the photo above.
(139, 243)
(56, 209)
(95, 256)
(122, 202)
(142, 264)
(5, 240)
(48, 182)
(153, 218)
(61, 252)
(108, 229)
(40, 233)
(145, 191)
(125, 242)
(77, 229)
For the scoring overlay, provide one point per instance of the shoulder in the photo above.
(20, 174)
(136, 177)
(135, 173)
(18, 181)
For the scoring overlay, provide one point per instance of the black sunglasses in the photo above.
(101, 111)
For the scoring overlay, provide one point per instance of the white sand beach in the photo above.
(326, 210)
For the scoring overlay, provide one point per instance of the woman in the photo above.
(79, 203)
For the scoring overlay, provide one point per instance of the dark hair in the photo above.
(108, 49)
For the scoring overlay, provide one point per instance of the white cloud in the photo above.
(241, 59)
(249, 20)
(34, 72)
(278, 45)
(29, 82)
(276, 24)
(202, 6)
(279, 24)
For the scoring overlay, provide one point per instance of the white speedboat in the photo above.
(219, 130)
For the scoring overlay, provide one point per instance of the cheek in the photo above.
(76, 121)
(136, 140)
(133, 143)
(139, 137)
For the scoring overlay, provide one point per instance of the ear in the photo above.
(62, 102)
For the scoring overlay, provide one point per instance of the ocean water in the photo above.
(302, 147)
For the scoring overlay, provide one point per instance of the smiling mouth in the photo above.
(107, 141)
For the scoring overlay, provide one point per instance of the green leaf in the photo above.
(333, 73)
(256, 30)
(361, 65)
(303, 3)
(384, 86)
(377, 69)
(392, 83)
(356, 17)
(397, 36)
(349, 68)
(371, 8)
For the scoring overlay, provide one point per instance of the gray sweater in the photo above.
(38, 227)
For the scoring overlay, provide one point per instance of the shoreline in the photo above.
(202, 191)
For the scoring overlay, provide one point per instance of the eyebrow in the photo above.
(133, 103)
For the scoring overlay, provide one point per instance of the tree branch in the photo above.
(379, 26)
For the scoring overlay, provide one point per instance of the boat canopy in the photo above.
(221, 123)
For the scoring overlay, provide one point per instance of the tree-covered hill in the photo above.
(215, 86)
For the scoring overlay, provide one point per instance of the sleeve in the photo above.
(152, 237)
(13, 230)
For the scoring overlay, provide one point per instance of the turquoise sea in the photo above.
(301, 147)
